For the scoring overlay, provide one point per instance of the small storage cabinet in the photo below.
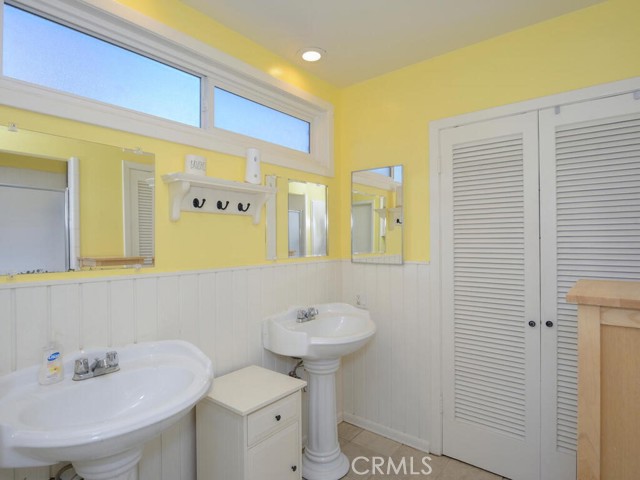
(248, 427)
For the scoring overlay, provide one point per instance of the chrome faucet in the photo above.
(306, 315)
(100, 366)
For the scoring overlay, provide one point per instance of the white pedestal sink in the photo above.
(100, 424)
(338, 329)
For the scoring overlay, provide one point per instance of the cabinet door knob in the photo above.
(549, 323)
(294, 468)
(532, 323)
(278, 417)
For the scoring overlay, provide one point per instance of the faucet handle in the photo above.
(302, 314)
(313, 311)
(99, 364)
(112, 359)
(81, 366)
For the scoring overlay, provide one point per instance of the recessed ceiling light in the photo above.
(311, 54)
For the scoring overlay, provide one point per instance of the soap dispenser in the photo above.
(52, 369)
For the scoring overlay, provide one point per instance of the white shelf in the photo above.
(195, 193)
(393, 216)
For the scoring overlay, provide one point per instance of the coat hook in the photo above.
(220, 207)
(241, 209)
(199, 204)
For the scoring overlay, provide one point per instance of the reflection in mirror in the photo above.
(296, 219)
(69, 203)
(307, 219)
(376, 215)
(35, 195)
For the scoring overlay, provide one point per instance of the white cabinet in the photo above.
(248, 427)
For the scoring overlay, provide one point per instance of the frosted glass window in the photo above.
(246, 117)
(40, 51)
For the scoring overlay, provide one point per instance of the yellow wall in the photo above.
(385, 121)
(380, 122)
(198, 240)
(14, 160)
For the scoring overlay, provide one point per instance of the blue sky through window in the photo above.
(43, 52)
(240, 115)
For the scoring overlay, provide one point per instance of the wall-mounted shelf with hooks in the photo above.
(195, 193)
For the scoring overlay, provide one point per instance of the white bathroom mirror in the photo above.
(69, 204)
(377, 215)
(297, 223)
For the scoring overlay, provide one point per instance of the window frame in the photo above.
(118, 24)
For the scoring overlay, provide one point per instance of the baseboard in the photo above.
(410, 440)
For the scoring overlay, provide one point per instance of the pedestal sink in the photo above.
(100, 424)
(320, 340)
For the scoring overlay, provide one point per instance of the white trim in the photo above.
(147, 274)
(110, 20)
(130, 229)
(410, 440)
(559, 99)
(73, 187)
(373, 179)
(435, 127)
(436, 279)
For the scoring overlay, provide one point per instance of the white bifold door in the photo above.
(529, 204)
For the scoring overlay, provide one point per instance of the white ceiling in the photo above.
(366, 38)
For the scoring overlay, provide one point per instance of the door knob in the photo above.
(532, 323)
(294, 468)
(278, 417)
(549, 323)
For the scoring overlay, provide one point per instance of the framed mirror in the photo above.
(70, 204)
(297, 221)
(377, 215)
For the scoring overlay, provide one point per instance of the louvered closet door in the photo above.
(490, 263)
(139, 214)
(590, 228)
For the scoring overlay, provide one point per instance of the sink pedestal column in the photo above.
(322, 458)
(122, 466)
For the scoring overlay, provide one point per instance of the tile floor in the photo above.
(356, 442)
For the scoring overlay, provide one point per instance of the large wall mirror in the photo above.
(377, 216)
(69, 204)
(297, 221)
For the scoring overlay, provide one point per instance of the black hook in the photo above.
(199, 204)
(240, 209)
(220, 207)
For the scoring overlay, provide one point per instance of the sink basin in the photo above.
(337, 330)
(103, 421)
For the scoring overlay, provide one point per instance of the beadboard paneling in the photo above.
(385, 385)
(220, 311)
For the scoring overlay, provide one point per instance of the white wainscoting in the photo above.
(220, 311)
(386, 385)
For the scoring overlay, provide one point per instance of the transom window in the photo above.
(93, 62)
(241, 115)
(40, 51)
